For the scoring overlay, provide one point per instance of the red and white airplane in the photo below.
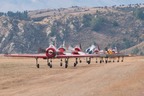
(61, 53)
(53, 53)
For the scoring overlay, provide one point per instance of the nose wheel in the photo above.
(88, 61)
(66, 63)
(37, 65)
(49, 63)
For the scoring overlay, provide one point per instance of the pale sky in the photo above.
(21, 5)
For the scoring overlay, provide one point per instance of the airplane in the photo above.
(93, 49)
(113, 53)
(71, 51)
(53, 53)
(108, 54)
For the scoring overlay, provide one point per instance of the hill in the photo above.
(137, 49)
(25, 32)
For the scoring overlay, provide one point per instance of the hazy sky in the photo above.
(21, 5)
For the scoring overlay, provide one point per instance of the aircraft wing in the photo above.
(26, 55)
(57, 56)
(117, 55)
(79, 56)
(66, 55)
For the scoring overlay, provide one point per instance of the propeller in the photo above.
(80, 46)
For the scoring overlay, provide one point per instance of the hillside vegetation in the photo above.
(120, 26)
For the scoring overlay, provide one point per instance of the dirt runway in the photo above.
(20, 77)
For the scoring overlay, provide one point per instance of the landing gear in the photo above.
(49, 63)
(76, 62)
(106, 60)
(88, 61)
(118, 59)
(66, 65)
(61, 63)
(96, 60)
(113, 61)
(101, 60)
(37, 65)
(66, 62)
(122, 59)
(80, 60)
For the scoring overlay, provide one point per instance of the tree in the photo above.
(53, 31)
(1, 13)
(87, 19)
(115, 24)
(135, 51)
(139, 13)
(76, 22)
(98, 23)
(18, 15)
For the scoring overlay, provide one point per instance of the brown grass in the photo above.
(20, 77)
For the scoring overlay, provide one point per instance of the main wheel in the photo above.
(37, 66)
(106, 61)
(61, 64)
(75, 64)
(100, 61)
(66, 65)
(88, 62)
(50, 66)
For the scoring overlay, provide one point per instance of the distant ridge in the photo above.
(137, 49)
(115, 26)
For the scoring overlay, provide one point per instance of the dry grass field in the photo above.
(20, 77)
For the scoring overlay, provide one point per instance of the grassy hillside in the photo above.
(137, 49)
(120, 26)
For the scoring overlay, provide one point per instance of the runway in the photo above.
(20, 77)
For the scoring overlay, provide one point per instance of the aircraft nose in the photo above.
(50, 52)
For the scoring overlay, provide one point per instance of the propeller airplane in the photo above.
(66, 53)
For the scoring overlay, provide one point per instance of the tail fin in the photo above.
(63, 44)
(80, 46)
(116, 50)
(98, 47)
